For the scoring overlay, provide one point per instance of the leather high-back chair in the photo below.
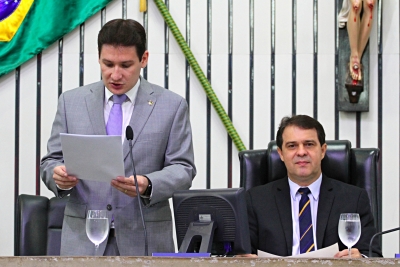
(38, 224)
(356, 166)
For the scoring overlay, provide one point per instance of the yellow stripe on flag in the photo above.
(10, 25)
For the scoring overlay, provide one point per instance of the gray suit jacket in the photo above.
(162, 150)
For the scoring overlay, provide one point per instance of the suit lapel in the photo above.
(144, 104)
(326, 197)
(95, 106)
(284, 206)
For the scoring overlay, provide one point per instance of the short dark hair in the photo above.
(123, 32)
(303, 122)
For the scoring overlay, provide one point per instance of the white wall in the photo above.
(219, 72)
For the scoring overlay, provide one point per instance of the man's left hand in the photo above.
(127, 185)
(345, 253)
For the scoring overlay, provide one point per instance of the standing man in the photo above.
(162, 149)
(277, 211)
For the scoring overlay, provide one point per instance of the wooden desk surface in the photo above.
(185, 262)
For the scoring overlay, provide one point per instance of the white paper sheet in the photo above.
(327, 252)
(93, 157)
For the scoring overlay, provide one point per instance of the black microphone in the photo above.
(129, 134)
(129, 137)
(380, 233)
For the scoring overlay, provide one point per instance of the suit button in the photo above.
(109, 207)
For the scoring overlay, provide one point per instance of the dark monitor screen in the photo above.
(212, 220)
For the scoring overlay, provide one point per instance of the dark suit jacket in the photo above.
(270, 216)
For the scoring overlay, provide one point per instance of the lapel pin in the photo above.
(150, 102)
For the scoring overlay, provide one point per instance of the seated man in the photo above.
(277, 211)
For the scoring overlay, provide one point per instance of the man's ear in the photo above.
(323, 149)
(145, 59)
(280, 153)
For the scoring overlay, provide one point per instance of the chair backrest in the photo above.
(38, 224)
(356, 166)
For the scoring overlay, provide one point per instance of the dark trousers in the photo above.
(112, 247)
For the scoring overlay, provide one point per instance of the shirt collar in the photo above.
(131, 94)
(314, 188)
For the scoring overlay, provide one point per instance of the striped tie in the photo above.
(306, 227)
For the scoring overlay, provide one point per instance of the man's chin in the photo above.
(116, 90)
(304, 178)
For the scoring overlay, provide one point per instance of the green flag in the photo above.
(29, 26)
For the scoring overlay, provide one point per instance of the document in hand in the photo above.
(327, 252)
(93, 157)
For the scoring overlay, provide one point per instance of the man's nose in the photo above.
(301, 151)
(116, 73)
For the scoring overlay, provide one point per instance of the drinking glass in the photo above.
(349, 229)
(97, 226)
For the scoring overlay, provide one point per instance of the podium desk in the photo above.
(188, 262)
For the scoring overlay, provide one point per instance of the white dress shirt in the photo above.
(295, 200)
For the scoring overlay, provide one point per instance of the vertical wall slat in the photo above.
(103, 16)
(124, 9)
(166, 52)
(380, 95)
(315, 58)
(187, 65)
(272, 136)
(358, 129)
(16, 141)
(294, 54)
(209, 51)
(251, 74)
(60, 66)
(146, 28)
(230, 44)
(38, 119)
(81, 52)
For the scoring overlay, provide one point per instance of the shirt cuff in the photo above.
(63, 188)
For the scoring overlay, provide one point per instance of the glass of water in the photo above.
(349, 229)
(97, 226)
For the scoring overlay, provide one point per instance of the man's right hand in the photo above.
(62, 179)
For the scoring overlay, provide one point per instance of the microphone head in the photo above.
(129, 133)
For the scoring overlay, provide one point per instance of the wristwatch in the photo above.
(147, 192)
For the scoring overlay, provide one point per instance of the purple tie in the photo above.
(114, 123)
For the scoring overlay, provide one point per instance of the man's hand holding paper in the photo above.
(62, 179)
(128, 186)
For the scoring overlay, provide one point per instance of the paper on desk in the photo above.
(93, 157)
(327, 252)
